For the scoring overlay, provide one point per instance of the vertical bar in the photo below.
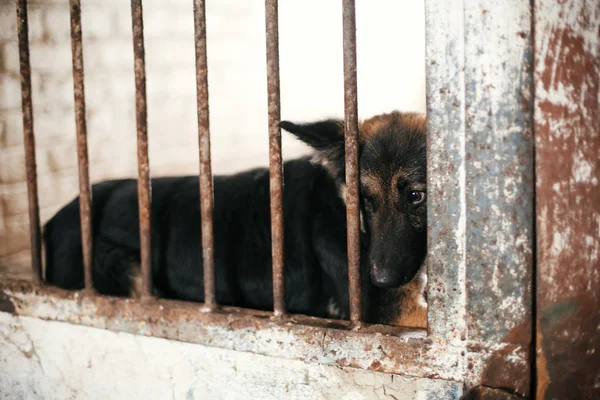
(480, 181)
(446, 158)
(85, 196)
(567, 144)
(29, 139)
(275, 163)
(499, 190)
(142, 145)
(206, 179)
(351, 145)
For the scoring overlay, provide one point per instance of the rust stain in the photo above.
(488, 393)
(569, 65)
(541, 368)
(568, 346)
(375, 365)
(508, 367)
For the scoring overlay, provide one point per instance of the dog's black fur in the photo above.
(316, 275)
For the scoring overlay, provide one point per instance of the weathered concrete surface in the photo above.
(395, 350)
(54, 360)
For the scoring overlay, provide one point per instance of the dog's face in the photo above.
(392, 162)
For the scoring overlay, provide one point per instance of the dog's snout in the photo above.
(383, 277)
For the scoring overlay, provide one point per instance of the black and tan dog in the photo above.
(392, 165)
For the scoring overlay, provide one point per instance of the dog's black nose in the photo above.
(383, 277)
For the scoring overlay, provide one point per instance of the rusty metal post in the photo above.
(351, 145)
(29, 139)
(499, 172)
(85, 195)
(275, 162)
(206, 179)
(142, 145)
(480, 185)
(567, 133)
(446, 159)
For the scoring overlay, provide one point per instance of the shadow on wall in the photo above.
(391, 75)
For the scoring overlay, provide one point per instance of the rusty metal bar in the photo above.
(351, 144)
(29, 139)
(85, 195)
(275, 162)
(206, 179)
(142, 145)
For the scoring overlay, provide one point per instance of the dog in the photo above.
(392, 169)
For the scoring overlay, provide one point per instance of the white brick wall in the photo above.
(390, 75)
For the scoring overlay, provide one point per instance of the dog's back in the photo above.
(313, 213)
(62, 238)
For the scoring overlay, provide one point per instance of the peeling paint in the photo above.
(582, 169)
(480, 183)
(567, 123)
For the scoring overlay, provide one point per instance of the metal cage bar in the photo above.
(142, 145)
(206, 179)
(275, 162)
(85, 195)
(29, 139)
(351, 152)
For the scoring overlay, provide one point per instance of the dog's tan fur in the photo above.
(373, 125)
(136, 288)
(413, 305)
(406, 306)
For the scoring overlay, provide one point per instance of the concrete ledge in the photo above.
(379, 348)
(53, 360)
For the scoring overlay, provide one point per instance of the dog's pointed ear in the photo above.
(322, 135)
(327, 138)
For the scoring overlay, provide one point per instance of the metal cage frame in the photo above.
(492, 211)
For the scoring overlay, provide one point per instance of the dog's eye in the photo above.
(416, 197)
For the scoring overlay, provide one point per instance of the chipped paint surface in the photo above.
(499, 147)
(384, 349)
(37, 362)
(567, 126)
(446, 173)
(480, 183)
